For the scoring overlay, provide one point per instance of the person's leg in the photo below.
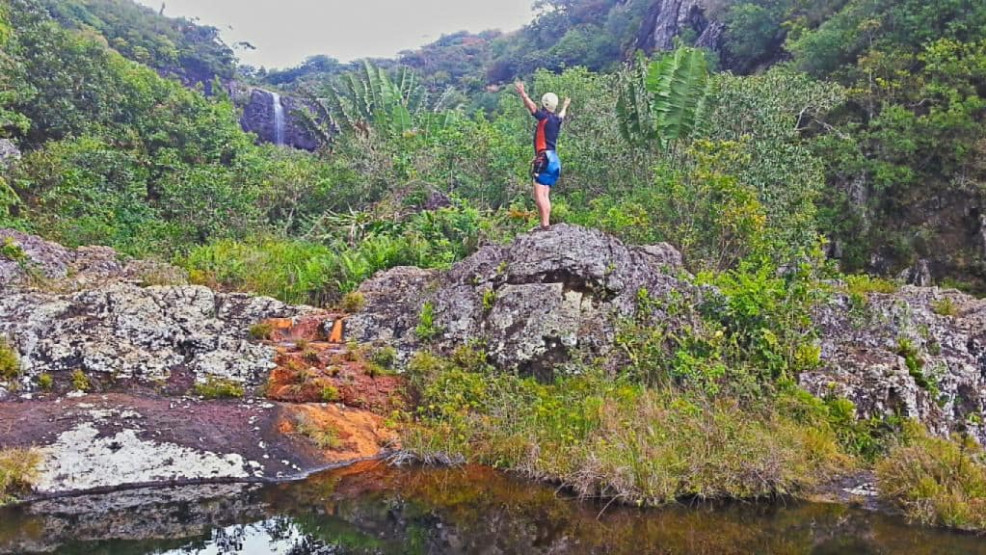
(537, 199)
(544, 206)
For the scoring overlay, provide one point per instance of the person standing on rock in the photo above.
(546, 166)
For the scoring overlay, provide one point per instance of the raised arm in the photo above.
(528, 103)
(564, 108)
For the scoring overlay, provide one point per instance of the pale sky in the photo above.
(285, 32)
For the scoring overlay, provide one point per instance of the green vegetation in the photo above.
(46, 382)
(12, 251)
(489, 299)
(936, 481)
(353, 302)
(384, 358)
(262, 331)
(426, 330)
(219, 388)
(10, 365)
(865, 146)
(330, 394)
(18, 469)
(80, 382)
(945, 307)
(323, 435)
(618, 438)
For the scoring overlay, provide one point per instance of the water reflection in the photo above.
(372, 508)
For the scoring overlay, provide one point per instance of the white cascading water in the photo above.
(278, 119)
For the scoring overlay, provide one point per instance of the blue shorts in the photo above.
(546, 168)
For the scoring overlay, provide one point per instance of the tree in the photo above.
(663, 102)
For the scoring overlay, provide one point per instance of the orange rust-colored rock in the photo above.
(336, 335)
(361, 434)
(312, 368)
(303, 328)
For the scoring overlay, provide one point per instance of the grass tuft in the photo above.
(80, 382)
(262, 331)
(935, 481)
(945, 307)
(18, 470)
(10, 366)
(218, 388)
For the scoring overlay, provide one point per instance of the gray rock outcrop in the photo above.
(85, 309)
(669, 19)
(918, 353)
(534, 305)
(9, 153)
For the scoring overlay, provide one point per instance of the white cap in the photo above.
(549, 101)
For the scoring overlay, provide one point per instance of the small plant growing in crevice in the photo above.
(12, 251)
(426, 329)
(46, 382)
(10, 366)
(80, 382)
(945, 307)
(262, 331)
(915, 365)
(489, 299)
(219, 388)
(353, 302)
(329, 394)
(18, 470)
(310, 356)
(384, 357)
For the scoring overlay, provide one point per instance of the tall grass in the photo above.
(935, 481)
(617, 439)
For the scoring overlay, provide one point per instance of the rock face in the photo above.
(84, 319)
(552, 297)
(91, 314)
(918, 353)
(534, 305)
(668, 19)
(9, 153)
(259, 117)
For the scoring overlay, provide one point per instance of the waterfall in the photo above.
(278, 119)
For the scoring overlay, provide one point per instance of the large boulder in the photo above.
(541, 301)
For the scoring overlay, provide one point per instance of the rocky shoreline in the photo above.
(148, 346)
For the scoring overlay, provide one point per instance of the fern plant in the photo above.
(663, 102)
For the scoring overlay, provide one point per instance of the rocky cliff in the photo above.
(669, 19)
(260, 117)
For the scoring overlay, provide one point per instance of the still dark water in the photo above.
(372, 508)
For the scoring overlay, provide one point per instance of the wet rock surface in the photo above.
(258, 117)
(107, 441)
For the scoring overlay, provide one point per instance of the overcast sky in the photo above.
(285, 32)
